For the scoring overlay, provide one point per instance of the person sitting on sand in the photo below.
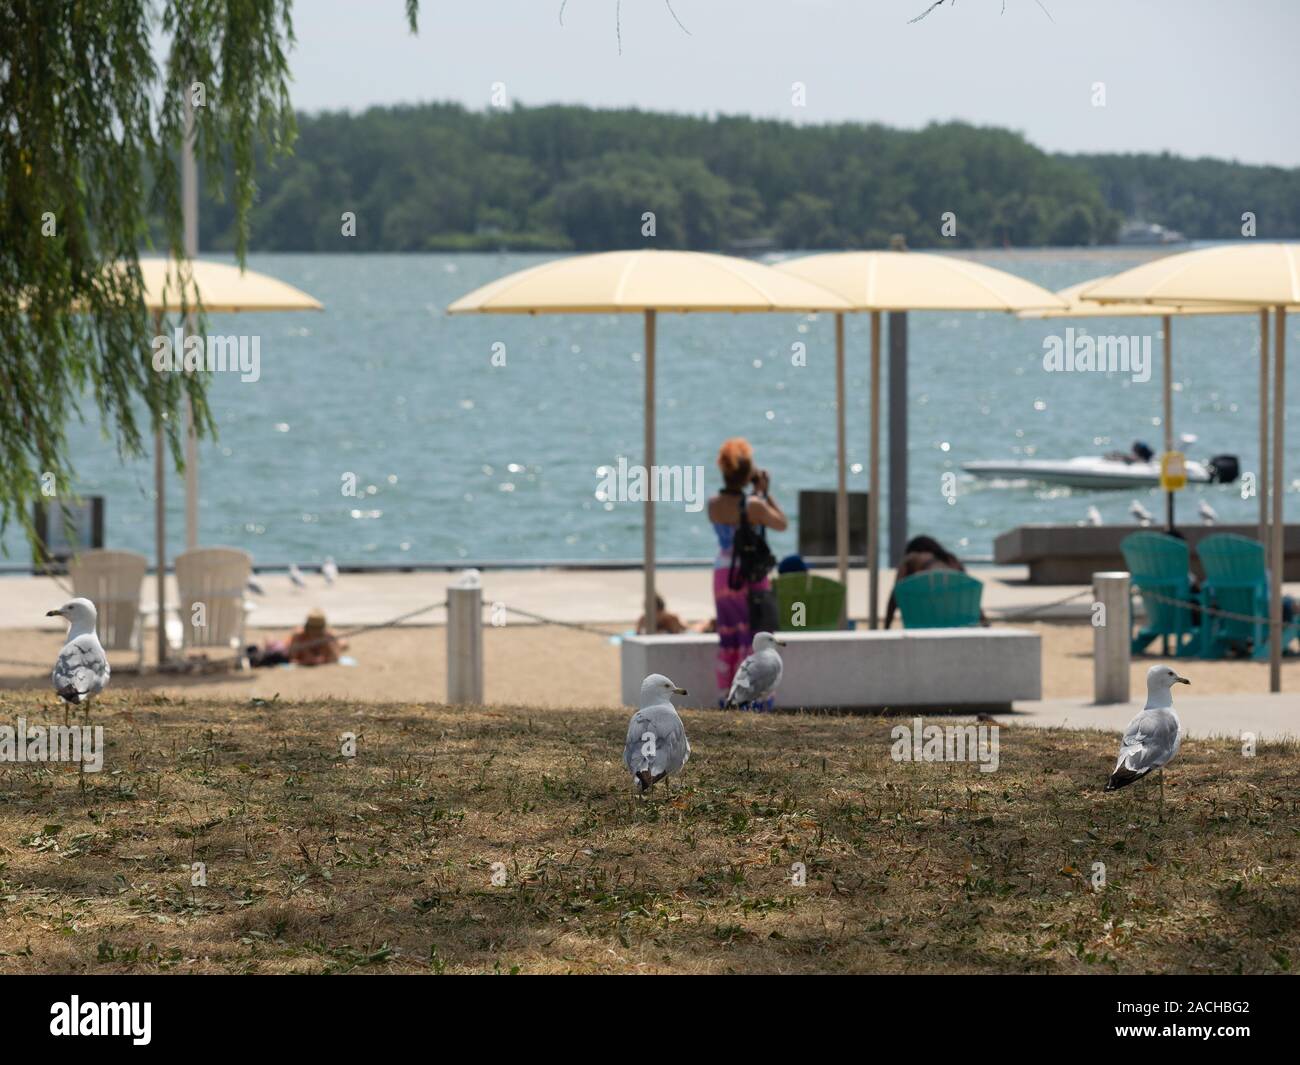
(314, 644)
(664, 621)
(923, 553)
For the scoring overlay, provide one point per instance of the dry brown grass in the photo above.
(383, 863)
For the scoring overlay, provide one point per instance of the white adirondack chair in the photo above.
(113, 580)
(211, 582)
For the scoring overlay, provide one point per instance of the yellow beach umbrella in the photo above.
(172, 287)
(879, 281)
(1077, 307)
(647, 282)
(1255, 275)
(221, 288)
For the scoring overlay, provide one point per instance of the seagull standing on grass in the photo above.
(1153, 737)
(1141, 513)
(656, 738)
(759, 674)
(81, 671)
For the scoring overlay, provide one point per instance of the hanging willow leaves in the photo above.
(91, 127)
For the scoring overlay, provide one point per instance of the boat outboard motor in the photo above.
(1143, 451)
(1224, 469)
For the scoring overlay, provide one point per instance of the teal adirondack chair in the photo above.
(1236, 580)
(939, 599)
(822, 599)
(1160, 567)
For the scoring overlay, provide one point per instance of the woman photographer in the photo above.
(742, 592)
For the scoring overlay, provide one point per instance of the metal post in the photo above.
(1261, 482)
(1279, 559)
(465, 644)
(873, 498)
(1110, 638)
(897, 435)
(1169, 411)
(651, 614)
(841, 450)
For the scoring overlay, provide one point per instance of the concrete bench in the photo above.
(1071, 554)
(957, 669)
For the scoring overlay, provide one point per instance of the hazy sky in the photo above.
(1198, 77)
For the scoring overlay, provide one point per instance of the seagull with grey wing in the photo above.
(656, 738)
(759, 674)
(1153, 737)
(81, 671)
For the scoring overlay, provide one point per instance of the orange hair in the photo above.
(736, 461)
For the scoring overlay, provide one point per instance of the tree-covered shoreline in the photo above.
(439, 177)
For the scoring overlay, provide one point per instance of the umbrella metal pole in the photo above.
(191, 479)
(651, 615)
(160, 525)
(1261, 482)
(160, 540)
(1279, 561)
(1169, 410)
(841, 450)
(873, 498)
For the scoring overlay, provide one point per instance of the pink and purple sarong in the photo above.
(735, 640)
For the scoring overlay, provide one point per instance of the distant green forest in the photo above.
(440, 177)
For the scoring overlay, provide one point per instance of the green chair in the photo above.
(822, 600)
(939, 599)
(1236, 580)
(1160, 566)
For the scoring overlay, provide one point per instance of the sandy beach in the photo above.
(577, 668)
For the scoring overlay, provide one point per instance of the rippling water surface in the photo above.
(456, 458)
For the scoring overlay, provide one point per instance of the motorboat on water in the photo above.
(1139, 468)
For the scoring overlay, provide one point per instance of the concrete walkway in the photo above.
(597, 596)
(1269, 717)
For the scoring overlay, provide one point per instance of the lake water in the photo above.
(458, 459)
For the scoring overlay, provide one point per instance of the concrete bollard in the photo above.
(465, 641)
(1110, 638)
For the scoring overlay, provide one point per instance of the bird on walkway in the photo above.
(656, 738)
(81, 671)
(1153, 737)
(1207, 513)
(295, 576)
(1140, 512)
(255, 586)
(330, 570)
(759, 674)
(1093, 517)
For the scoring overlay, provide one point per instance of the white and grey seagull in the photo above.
(81, 671)
(656, 738)
(1153, 737)
(1140, 512)
(759, 674)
